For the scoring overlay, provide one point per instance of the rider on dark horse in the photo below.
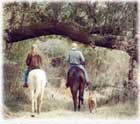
(76, 58)
(33, 61)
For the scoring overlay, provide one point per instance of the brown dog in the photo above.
(92, 102)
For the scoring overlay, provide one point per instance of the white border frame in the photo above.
(57, 121)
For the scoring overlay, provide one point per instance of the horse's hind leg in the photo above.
(40, 102)
(74, 95)
(81, 93)
(38, 105)
(79, 102)
(35, 105)
(33, 101)
(75, 103)
(81, 99)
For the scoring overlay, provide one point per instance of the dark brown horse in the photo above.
(76, 81)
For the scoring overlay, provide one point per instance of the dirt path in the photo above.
(58, 103)
(105, 112)
(61, 114)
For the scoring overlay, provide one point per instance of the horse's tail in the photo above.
(36, 89)
(75, 75)
(41, 85)
(37, 81)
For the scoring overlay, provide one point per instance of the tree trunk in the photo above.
(131, 70)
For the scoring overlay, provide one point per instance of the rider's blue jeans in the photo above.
(26, 76)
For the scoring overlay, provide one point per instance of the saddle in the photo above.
(76, 69)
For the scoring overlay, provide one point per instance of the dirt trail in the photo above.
(57, 103)
(105, 112)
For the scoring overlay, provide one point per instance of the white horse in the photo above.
(37, 80)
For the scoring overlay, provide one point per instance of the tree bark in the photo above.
(105, 30)
(70, 30)
(59, 28)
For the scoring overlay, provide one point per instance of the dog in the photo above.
(92, 104)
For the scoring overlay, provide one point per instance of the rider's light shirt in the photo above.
(75, 57)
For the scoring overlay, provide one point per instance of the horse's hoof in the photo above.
(78, 109)
(32, 115)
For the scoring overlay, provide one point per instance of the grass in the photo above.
(56, 104)
(119, 111)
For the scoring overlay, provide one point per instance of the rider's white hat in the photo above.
(74, 45)
(34, 46)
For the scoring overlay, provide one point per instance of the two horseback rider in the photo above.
(76, 58)
(33, 61)
(76, 72)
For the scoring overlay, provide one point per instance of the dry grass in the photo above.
(57, 104)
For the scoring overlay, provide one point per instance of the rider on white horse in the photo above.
(33, 61)
(76, 58)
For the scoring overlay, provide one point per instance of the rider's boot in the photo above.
(25, 85)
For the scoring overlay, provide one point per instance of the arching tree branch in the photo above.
(58, 28)
(70, 30)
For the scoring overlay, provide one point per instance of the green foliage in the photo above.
(123, 14)
(105, 67)
(14, 67)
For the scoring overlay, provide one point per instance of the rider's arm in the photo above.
(28, 60)
(68, 57)
(82, 59)
(40, 60)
